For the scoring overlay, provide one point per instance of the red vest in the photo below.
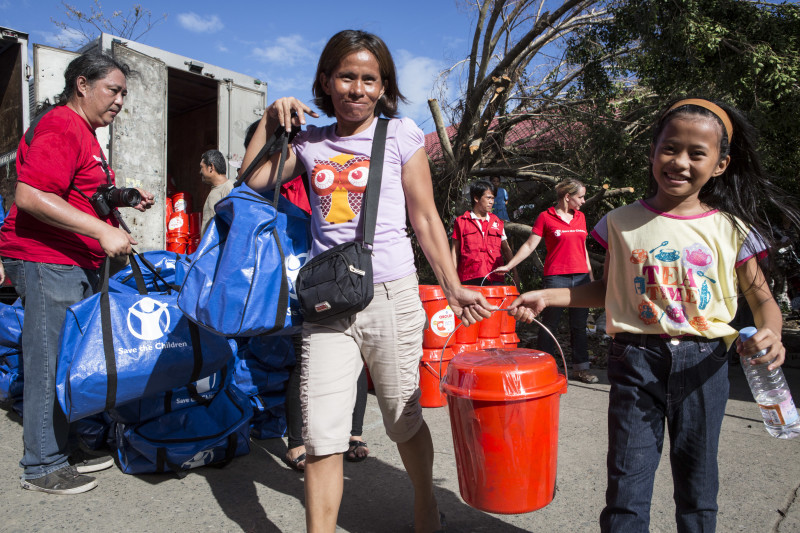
(479, 254)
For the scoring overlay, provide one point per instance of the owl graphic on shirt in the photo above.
(340, 184)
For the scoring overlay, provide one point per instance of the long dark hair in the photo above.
(93, 67)
(345, 43)
(742, 189)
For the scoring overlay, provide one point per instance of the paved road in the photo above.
(760, 480)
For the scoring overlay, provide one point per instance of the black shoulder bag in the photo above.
(338, 282)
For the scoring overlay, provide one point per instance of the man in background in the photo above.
(213, 172)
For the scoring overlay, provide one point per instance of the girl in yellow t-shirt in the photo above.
(673, 265)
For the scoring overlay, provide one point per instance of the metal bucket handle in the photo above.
(447, 341)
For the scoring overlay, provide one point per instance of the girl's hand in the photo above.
(764, 339)
(289, 111)
(528, 306)
(501, 269)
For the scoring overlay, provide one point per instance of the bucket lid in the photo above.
(502, 375)
(430, 292)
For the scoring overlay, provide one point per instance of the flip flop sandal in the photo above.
(355, 445)
(294, 464)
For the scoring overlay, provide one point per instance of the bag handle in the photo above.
(280, 135)
(372, 195)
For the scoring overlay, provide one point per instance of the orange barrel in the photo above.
(181, 201)
(441, 319)
(504, 467)
(509, 324)
(429, 379)
(489, 328)
(510, 340)
(485, 344)
(178, 224)
(461, 348)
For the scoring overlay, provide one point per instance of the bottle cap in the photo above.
(746, 333)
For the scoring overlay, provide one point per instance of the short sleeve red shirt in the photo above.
(565, 242)
(63, 150)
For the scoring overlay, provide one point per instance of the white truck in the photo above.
(176, 109)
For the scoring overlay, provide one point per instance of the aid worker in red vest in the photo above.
(479, 242)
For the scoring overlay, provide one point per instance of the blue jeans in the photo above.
(551, 316)
(685, 382)
(46, 290)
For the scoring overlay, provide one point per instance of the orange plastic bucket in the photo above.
(489, 328)
(429, 379)
(505, 467)
(461, 348)
(467, 335)
(441, 319)
(508, 324)
(178, 247)
(487, 344)
(178, 224)
(181, 201)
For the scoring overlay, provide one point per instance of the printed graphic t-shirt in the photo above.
(338, 169)
(672, 275)
(63, 150)
(565, 242)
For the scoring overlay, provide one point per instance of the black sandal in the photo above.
(355, 445)
(294, 464)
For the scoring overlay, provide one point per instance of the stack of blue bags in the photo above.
(261, 371)
(200, 423)
(11, 373)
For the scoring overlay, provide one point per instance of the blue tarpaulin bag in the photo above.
(188, 438)
(158, 268)
(11, 319)
(200, 392)
(241, 279)
(120, 347)
(11, 371)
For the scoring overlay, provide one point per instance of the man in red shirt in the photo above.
(479, 242)
(53, 243)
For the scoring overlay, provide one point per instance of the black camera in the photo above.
(108, 197)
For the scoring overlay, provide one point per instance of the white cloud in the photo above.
(287, 51)
(222, 48)
(416, 77)
(196, 23)
(68, 38)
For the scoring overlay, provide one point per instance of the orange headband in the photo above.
(711, 106)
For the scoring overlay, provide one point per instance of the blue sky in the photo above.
(279, 42)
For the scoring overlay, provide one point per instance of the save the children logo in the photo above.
(293, 264)
(148, 319)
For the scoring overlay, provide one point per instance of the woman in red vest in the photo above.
(479, 243)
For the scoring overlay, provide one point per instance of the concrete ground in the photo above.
(759, 478)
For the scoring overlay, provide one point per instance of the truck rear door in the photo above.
(139, 146)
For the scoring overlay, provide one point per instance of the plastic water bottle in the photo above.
(771, 393)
